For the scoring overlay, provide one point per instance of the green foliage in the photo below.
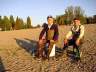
(0, 23)
(91, 20)
(64, 19)
(12, 22)
(70, 13)
(6, 25)
(38, 26)
(60, 20)
(29, 22)
(94, 19)
(19, 24)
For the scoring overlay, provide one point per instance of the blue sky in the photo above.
(38, 10)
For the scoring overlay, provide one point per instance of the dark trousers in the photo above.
(44, 48)
(72, 42)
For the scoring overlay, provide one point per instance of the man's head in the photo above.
(50, 20)
(76, 21)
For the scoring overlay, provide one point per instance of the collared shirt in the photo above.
(49, 26)
(69, 35)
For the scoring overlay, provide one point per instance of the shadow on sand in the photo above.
(29, 45)
(69, 53)
(2, 69)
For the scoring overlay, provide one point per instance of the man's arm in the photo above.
(81, 32)
(69, 34)
(55, 38)
(43, 31)
(80, 36)
(67, 37)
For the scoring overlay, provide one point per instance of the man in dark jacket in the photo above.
(48, 37)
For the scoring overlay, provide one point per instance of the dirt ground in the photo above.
(17, 52)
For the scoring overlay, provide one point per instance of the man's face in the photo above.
(50, 20)
(76, 22)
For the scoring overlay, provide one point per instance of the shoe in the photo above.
(77, 58)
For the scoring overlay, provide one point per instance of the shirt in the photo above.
(69, 35)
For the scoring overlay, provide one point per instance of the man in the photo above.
(48, 37)
(75, 37)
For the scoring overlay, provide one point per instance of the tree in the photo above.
(79, 13)
(72, 12)
(57, 19)
(91, 20)
(69, 14)
(19, 23)
(6, 23)
(12, 22)
(29, 22)
(60, 19)
(0, 23)
(94, 18)
(38, 26)
(22, 26)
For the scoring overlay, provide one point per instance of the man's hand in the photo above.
(65, 41)
(42, 41)
(78, 42)
(52, 41)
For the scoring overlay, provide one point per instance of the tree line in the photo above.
(73, 12)
(12, 24)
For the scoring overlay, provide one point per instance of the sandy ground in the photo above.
(17, 47)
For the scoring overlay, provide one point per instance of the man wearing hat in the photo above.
(75, 37)
(48, 37)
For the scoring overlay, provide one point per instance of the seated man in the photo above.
(75, 36)
(48, 37)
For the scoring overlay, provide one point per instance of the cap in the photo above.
(76, 18)
(49, 16)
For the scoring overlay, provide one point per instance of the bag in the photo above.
(52, 53)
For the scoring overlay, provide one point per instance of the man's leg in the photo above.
(70, 42)
(77, 51)
(74, 49)
(65, 46)
(41, 45)
(46, 50)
